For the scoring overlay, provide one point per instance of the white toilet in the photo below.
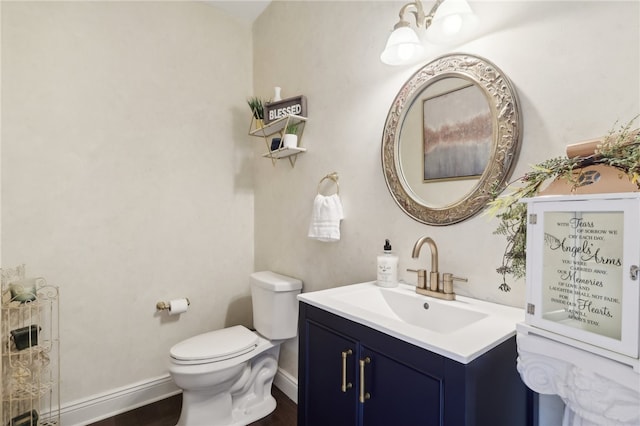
(226, 375)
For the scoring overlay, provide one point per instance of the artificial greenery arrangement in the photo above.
(619, 149)
(292, 129)
(257, 107)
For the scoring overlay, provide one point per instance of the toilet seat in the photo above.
(215, 346)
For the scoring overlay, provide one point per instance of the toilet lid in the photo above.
(216, 345)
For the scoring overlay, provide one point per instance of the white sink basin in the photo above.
(433, 314)
(461, 330)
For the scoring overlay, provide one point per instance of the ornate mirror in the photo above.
(452, 135)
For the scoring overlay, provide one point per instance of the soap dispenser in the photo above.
(387, 267)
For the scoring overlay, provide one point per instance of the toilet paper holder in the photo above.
(165, 306)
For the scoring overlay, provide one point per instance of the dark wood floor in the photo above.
(167, 412)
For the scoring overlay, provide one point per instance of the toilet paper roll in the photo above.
(178, 306)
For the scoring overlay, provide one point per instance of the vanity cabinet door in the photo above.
(399, 394)
(329, 395)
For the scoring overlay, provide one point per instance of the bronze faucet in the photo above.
(434, 276)
(433, 288)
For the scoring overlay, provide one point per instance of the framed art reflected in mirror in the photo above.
(457, 134)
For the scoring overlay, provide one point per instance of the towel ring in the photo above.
(331, 176)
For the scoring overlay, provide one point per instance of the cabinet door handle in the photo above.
(345, 385)
(363, 395)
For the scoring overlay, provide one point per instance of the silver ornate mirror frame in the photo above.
(506, 122)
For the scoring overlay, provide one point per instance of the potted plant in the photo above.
(291, 136)
(257, 109)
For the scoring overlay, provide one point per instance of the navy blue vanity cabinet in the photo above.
(352, 375)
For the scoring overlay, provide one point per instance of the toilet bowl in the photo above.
(226, 375)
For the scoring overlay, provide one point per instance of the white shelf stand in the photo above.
(29, 333)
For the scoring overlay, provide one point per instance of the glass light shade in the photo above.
(453, 22)
(403, 47)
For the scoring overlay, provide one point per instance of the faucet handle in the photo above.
(448, 279)
(422, 277)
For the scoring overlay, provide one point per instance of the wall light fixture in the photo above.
(449, 21)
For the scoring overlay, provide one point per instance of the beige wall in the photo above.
(575, 66)
(126, 175)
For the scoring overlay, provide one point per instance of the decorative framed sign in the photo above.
(290, 106)
(583, 254)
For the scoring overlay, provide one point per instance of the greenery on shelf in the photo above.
(257, 107)
(619, 149)
(292, 129)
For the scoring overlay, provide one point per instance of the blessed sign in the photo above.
(582, 274)
(289, 106)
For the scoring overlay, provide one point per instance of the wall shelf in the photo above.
(278, 128)
(284, 153)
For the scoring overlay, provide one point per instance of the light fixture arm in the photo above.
(418, 14)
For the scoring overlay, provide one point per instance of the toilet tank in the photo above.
(275, 307)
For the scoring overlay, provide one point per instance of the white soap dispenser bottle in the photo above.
(387, 267)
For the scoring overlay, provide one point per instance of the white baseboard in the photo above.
(108, 404)
(117, 401)
(287, 384)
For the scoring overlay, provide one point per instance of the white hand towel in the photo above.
(325, 218)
